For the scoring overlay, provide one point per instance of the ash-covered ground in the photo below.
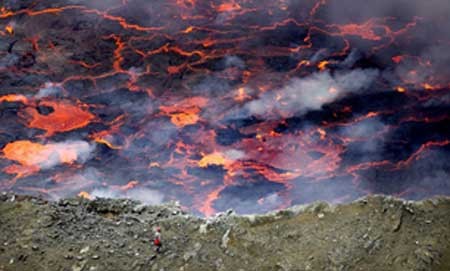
(251, 105)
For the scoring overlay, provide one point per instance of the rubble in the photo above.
(374, 233)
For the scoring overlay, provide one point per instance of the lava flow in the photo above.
(251, 105)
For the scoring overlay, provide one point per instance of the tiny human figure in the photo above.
(157, 239)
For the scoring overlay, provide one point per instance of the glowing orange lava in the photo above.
(215, 158)
(33, 156)
(13, 98)
(9, 29)
(227, 7)
(196, 99)
(364, 30)
(241, 95)
(401, 89)
(29, 153)
(85, 195)
(206, 207)
(65, 117)
(185, 112)
(323, 65)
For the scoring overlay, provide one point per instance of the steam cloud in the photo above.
(147, 196)
(352, 75)
(81, 150)
(49, 89)
(311, 93)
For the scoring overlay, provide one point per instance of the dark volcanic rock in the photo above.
(376, 233)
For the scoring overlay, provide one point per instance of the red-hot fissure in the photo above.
(253, 105)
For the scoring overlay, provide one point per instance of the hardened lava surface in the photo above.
(251, 105)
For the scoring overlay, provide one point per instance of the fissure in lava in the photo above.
(245, 104)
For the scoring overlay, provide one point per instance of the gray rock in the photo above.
(226, 239)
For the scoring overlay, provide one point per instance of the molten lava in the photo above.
(33, 156)
(245, 104)
(185, 112)
(65, 117)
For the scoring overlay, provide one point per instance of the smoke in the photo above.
(255, 63)
(50, 89)
(234, 61)
(440, 101)
(365, 135)
(351, 59)
(250, 205)
(8, 61)
(301, 95)
(145, 195)
(424, 48)
(48, 155)
(350, 10)
(234, 155)
(429, 174)
(65, 152)
(320, 55)
(432, 68)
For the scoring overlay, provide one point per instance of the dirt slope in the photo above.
(376, 233)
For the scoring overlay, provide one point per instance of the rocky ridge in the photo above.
(373, 233)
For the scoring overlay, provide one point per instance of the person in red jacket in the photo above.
(157, 239)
